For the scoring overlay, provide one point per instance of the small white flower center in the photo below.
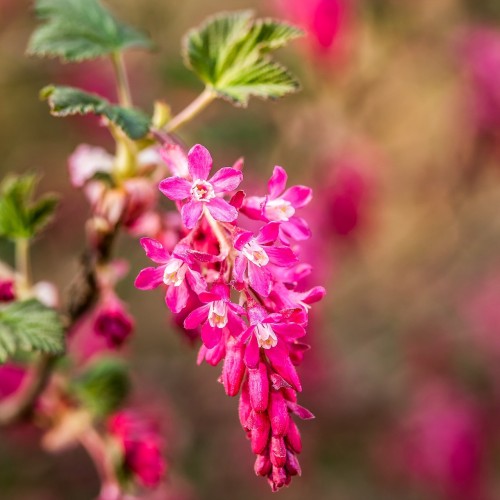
(255, 253)
(217, 316)
(266, 338)
(279, 210)
(175, 272)
(202, 190)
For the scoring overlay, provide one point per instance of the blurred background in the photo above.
(398, 131)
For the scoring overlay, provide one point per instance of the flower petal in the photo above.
(298, 196)
(200, 162)
(149, 278)
(191, 213)
(226, 179)
(240, 264)
(196, 281)
(253, 207)
(252, 353)
(296, 228)
(177, 297)
(281, 256)
(221, 210)
(313, 295)
(259, 279)
(268, 233)
(281, 363)
(175, 158)
(154, 250)
(175, 188)
(242, 238)
(290, 331)
(277, 182)
(210, 336)
(196, 316)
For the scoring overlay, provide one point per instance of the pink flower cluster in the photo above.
(242, 291)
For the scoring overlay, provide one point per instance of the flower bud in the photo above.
(259, 432)
(244, 408)
(262, 466)
(293, 437)
(277, 452)
(258, 385)
(278, 478)
(278, 413)
(233, 369)
(292, 465)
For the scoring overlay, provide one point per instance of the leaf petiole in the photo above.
(190, 111)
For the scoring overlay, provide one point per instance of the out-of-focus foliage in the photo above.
(103, 387)
(20, 215)
(29, 326)
(75, 30)
(67, 101)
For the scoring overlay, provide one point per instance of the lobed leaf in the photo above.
(230, 53)
(29, 326)
(20, 215)
(77, 30)
(68, 101)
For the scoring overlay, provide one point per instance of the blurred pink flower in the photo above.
(142, 447)
(326, 22)
(438, 443)
(112, 321)
(480, 308)
(348, 195)
(7, 291)
(480, 52)
(11, 377)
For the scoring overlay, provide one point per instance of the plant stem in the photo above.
(122, 83)
(23, 266)
(96, 448)
(189, 112)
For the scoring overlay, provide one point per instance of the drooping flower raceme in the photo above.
(242, 292)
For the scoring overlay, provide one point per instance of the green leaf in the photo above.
(29, 326)
(20, 215)
(76, 30)
(68, 101)
(103, 387)
(230, 53)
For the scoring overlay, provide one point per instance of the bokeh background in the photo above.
(397, 128)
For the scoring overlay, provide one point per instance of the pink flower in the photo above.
(112, 321)
(175, 270)
(11, 378)
(7, 290)
(216, 313)
(326, 22)
(141, 445)
(281, 205)
(86, 161)
(272, 333)
(481, 56)
(201, 192)
(256, 253)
